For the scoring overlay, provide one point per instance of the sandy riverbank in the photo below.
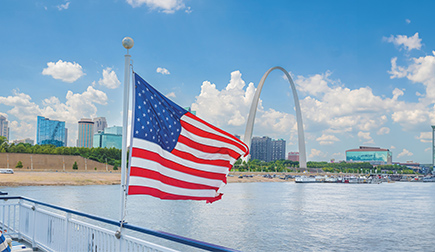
(36, 178)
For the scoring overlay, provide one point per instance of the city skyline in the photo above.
(363, 71)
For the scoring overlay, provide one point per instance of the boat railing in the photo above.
(52, 228)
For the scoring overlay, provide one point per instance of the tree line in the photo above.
(282, 165)
(110, 155)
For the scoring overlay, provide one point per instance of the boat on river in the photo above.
(305, 179)
(429, 179)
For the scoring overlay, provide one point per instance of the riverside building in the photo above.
(86, 133)
(373, 155)
(293, 156)
(4, 129)
(110, 137)
(50, 132)
(266, 149)
(100, 124)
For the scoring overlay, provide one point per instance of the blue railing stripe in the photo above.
(160, 234)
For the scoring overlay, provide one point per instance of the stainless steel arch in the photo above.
(253, 111)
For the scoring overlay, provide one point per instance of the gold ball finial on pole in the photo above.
(128, 43)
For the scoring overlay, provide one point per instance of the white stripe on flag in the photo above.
(208, 141)
(3, 245)
(153, 147)
(139, 181)
(151, 165)
(205, 127)
(204, 155)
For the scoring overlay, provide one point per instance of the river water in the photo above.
(275, 216)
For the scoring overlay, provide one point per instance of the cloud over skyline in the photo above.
(64, 71)
(165, 6)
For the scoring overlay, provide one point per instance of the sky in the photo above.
(364, 70)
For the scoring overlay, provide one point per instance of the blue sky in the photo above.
(364, 70)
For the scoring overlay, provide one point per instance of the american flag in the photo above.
(174, 154)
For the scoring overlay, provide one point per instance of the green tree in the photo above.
(19, 165)
(115, 167)
(3, 140)
(75, 166)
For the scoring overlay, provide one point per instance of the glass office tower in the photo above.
(110, 137)
(86, 133)
(373, 155)
(50, 132)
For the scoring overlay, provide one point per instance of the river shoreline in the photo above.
(79, 178)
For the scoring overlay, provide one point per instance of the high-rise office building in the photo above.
(278, 149)
(66, 137)
(86, 133)
(4, 129)
(261, 148)
(99, 124)
(50, 132)
(267, 149)
(110, 137)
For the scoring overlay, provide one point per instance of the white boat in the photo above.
(304, 179)
(332, 180)
(429, 179)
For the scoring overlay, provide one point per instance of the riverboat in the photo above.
(305, 179)
(429, 179)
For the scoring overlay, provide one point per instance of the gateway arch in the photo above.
(253, 111)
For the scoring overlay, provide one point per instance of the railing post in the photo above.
(68, 217)
(20, 205)
(118, 235)
(34, 226)
(3, 218)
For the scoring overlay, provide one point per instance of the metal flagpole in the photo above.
(128, 43)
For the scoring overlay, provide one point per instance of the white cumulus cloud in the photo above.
(63, 70)
(63, 6)
(316, 153)
(327, 139)
(22, 130)
(314, 85)
(366, 136)
(166, 6)
(163, 71)
(383, 131)
(229, 106)
(408, 43)
(171, 95)
(405, 152)
(425, 137)
(110, 80)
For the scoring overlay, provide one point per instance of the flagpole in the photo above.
(128, 43)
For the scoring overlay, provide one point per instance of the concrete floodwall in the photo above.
(46, 162)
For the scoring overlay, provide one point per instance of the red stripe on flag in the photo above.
(199, 132)
(208, 149)
(190, 157)
(145, 173)
(167, 196)
(145, 154)
(245, 147)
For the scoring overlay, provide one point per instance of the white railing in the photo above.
(53, 228)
